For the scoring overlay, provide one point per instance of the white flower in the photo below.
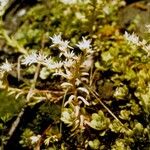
(69, 54)
(30, 59)
(57, 65)
(6, 66)
(69, 63)
(132, 38)
(34, 139)
(64, 45)
(53, 65)
(84, 44)
(48, 62)
(57, 41)
(41, 58)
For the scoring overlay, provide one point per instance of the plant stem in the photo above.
(62, 106)
(33, 83)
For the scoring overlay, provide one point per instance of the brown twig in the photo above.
(95, 94)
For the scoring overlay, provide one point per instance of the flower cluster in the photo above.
(66, 51)
(84, 44)
(134, 39)
(71, 59)
(70, 66)
(73, 67)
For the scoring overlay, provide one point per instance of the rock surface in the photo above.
(135, 16)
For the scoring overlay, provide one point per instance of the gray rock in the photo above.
(134, 17)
